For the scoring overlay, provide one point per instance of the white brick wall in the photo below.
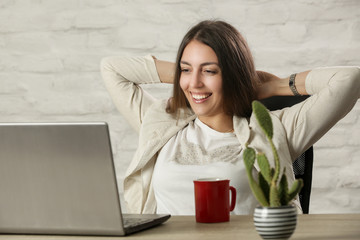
(50, 53)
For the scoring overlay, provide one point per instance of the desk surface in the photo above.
(312, 226)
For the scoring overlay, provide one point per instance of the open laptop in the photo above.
(59, 178)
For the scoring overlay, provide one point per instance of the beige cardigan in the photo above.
(334, 92)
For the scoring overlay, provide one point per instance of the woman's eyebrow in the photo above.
(203, 64)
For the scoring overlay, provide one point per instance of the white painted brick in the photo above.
(268, 13)
(152, 13)
(128, 38)
(7, 86)
(93, 18)
(100, 39)
(28, 43)
(38, 63)
(334, 157)
(6, 3)
(63, 21)
(81, 62)
(72, 102)
(293, 32)
(71, 42)
(97, 4)
(169, 41)
(225, 10)
(9, 104)
(79, 82)
(35, 20)
(355, 31)
(23, 5)
(335, 201)
(326, 30)
(349, 175)
(2, 43)
(323, 10)
(182, 1)
(325, 177)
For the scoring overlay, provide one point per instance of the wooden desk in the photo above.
(314, 227)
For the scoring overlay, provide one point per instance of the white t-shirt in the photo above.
(197, 151)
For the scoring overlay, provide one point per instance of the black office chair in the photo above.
(303, 165)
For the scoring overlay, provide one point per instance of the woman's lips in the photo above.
(200, 97)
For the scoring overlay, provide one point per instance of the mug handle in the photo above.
(233, 198)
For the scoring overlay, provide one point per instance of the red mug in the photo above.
(212, 200)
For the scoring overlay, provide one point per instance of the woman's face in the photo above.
(201, 79)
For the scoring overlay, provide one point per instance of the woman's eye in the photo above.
(185, 70)
(210, 71)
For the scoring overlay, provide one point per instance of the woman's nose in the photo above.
(196, 80)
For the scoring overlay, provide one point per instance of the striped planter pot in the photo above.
(275, 222)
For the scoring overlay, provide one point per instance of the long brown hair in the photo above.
(235, 61)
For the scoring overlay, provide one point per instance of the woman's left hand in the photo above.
(267, 84)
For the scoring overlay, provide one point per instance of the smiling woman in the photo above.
(201, 131)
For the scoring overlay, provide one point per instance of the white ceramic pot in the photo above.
(275, 222)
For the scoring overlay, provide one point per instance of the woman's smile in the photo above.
(200, 97)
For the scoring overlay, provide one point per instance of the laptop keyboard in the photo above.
(130, 222)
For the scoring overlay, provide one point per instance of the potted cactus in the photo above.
(271, 188)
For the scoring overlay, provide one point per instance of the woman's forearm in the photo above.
(272, 85)
(122, 77)
(166, 70)
(283, 88)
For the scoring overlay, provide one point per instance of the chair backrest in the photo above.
(303, 165)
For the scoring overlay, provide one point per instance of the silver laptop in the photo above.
(59, 178)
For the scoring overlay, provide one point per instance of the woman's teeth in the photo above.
(199, 97)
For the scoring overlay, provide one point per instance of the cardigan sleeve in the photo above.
(334, 92)
(122, 77)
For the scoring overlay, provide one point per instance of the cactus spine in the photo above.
(268, 189)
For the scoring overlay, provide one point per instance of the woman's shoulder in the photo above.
(158, 112)
(159, 124)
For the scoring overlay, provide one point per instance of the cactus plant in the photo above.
(268, 189)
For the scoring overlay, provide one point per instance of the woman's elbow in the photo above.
(105, 63)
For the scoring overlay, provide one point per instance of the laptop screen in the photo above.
(58, 178)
